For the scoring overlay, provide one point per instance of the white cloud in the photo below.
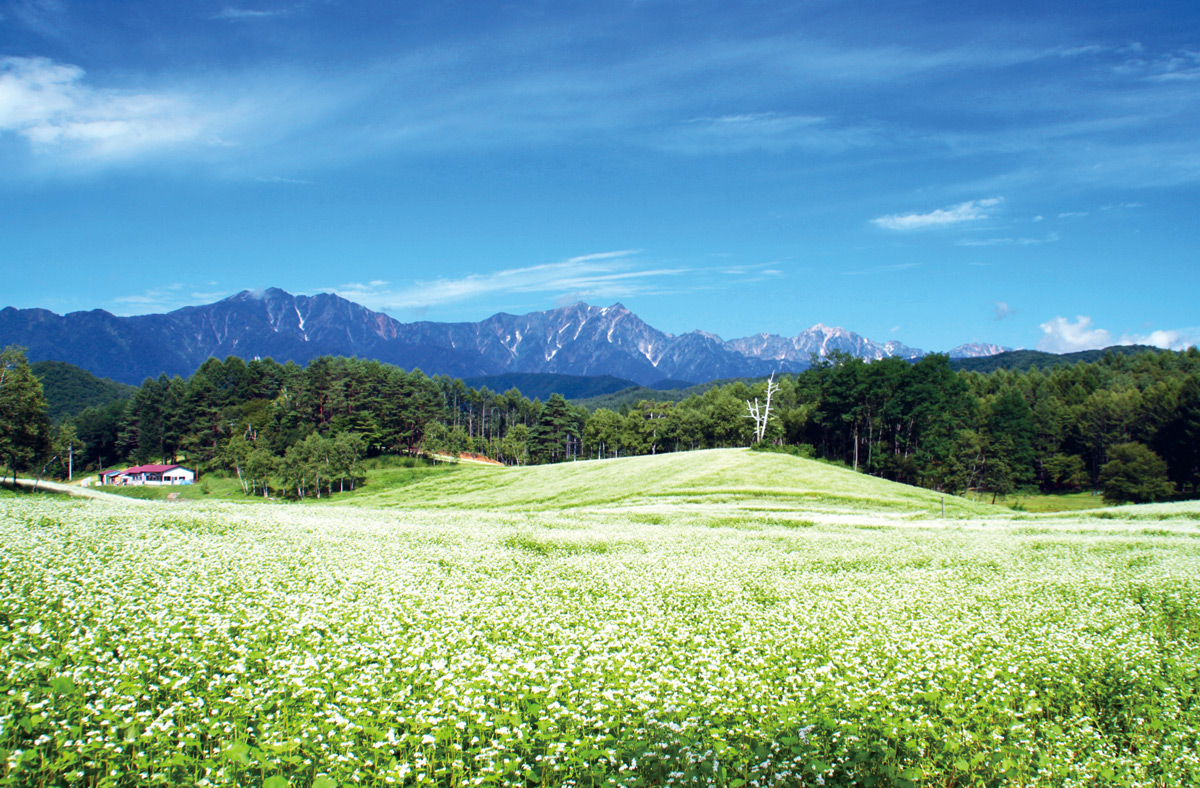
(1061, 335)
(970, 211)
(51, 106)
(1003, 310)
(1180, 339)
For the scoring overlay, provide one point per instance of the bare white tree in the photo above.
(762, 415)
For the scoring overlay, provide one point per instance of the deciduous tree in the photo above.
(25, 438)
(1135, 474)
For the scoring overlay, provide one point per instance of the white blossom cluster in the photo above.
(290, 645)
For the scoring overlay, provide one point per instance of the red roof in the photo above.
(150, 468)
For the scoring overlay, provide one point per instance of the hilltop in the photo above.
(713, 480)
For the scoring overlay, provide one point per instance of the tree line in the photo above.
(300, 431)
(1129, 421)
(1126, 424)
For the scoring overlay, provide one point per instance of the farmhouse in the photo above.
(150, 474)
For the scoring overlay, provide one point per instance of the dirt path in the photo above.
(69, 489)
(468, 459)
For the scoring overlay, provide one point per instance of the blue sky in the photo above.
(1026, 174)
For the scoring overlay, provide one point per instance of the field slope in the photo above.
(688, 482)
(726, 619)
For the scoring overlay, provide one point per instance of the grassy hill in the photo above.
(717, 479)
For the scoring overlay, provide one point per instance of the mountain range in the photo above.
(577, 340)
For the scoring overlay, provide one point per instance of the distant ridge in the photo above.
(1024, 360)
(540, 385)
(579, 339)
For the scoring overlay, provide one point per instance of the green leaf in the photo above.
(276, 781)
(324, 782)
(239, 751)
(62, 685)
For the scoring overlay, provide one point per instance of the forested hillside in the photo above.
(69, 389)
(1024, 360)
(540, 385)
(1123, 420)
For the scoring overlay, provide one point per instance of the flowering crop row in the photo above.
(276, 646)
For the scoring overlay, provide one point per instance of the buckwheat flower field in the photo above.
(218, 645)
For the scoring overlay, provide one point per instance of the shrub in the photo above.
(1135, 474)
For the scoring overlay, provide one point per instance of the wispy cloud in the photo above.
(746, 274)
(50, 105)
(231, 13)
(764, 131)
(970, 211)
(1179, 66)
(1060, 335)
(603, 275)
(882, 269)
(719, 94)
(1049, 239)
(44, 17)
(164, 298)
(453, 97)
(1003, 310)
(282, 180)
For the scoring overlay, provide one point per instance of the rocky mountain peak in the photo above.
(977, 350)
(577, 339)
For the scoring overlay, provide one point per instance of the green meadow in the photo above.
(722, 618)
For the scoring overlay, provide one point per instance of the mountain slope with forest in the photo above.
(69, 389)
